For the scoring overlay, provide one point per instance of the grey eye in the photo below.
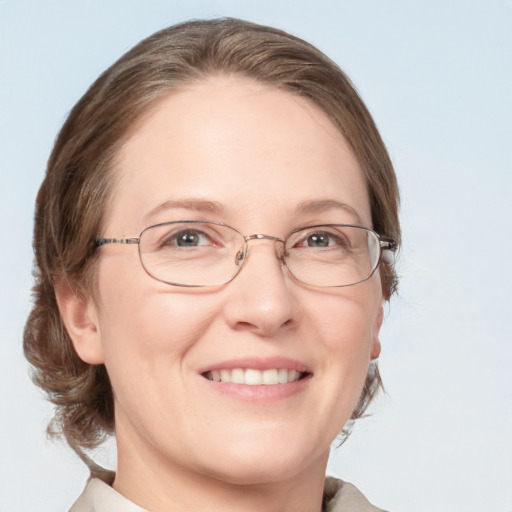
(318, 240)
(188, 238)
(322, 239)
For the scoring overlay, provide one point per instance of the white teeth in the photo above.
(283, 376)
(269, 377)
(253, 377)
(238, 376)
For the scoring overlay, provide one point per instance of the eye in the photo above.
(322, 239)
(189, 238)
(319, 240)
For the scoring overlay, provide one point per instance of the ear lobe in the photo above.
(81, 321)
(375, 353)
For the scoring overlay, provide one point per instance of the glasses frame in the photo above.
(388, 248)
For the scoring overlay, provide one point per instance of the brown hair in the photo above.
(74, 195)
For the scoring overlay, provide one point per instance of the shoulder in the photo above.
(99, 496)
(340, 496)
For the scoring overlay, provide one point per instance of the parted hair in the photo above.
(78, 184)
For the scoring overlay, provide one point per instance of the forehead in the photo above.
(253, 150)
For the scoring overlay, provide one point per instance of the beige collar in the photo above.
(99, 496)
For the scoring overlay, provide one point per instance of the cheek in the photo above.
(348, 321)
(346, 352)
(346, 325)
(143, 324)
(342, 321)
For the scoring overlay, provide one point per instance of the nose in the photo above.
(261, 297)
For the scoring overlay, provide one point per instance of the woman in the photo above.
(214, 242)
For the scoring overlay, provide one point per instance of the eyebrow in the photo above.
(321, 206)
(196, 205)
(216, 208)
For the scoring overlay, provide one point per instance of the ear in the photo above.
(375, 353)
(80, 318)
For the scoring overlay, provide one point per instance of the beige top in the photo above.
(98, 496)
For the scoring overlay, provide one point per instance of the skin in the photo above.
(258, 152)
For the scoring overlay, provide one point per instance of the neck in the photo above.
(161, 485)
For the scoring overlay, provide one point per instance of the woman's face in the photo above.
(262, 161)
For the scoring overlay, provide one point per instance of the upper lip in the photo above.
(258, 364)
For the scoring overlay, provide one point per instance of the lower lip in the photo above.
(259, 393)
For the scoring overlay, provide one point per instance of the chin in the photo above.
(266, 459)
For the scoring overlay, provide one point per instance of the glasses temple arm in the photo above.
(103, 241)
(388, 249)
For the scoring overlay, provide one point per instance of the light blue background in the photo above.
(437, 77)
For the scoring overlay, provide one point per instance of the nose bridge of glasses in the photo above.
(257, 236)
(242, 254)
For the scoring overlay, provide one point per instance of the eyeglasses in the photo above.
(202, 253)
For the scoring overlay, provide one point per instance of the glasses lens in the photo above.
(332, 255)
(191, 253)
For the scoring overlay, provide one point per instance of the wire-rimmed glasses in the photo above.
(204, 253)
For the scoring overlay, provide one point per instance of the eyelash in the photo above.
(339, 239)
(205, 238)
(172, 239)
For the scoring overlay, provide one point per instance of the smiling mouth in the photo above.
(253, 377)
